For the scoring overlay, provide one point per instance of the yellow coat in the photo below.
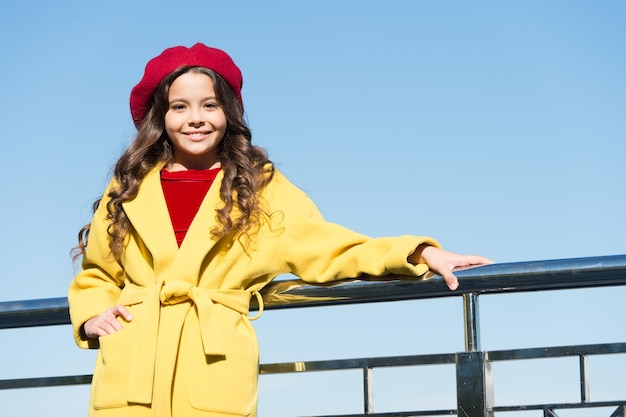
(190, 349)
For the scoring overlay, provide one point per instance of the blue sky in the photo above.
(496, 127)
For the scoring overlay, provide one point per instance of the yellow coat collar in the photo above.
(151, 221)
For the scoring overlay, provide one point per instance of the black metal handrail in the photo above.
(474, 384)
(545, 275)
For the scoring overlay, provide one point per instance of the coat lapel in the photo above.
(149, 216)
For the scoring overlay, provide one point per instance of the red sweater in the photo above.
(184, 192)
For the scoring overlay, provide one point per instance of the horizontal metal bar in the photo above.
(497, 278)
(358, 363)
(556, 351)
(397, 414)
(30, 313)
(45, 381)
(561, 406)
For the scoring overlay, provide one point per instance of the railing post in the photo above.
(474, 381)
(368, 391)
(470, 314)
(474, 385)
(584, 378)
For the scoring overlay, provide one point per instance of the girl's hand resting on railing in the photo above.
(106, 323)
(443, 262)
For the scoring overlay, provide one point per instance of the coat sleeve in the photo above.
(318, 251)
(99, 283)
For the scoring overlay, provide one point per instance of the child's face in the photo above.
(195, 122)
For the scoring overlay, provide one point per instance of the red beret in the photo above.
(170, 60)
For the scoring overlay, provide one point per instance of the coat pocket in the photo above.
(110, 380)
(223, 384)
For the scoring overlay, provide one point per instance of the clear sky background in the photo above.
(497, 127)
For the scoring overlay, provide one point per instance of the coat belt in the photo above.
(141, 379)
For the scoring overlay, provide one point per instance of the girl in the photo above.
(195, 222)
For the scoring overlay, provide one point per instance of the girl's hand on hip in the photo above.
(443, 262)
(106, 322)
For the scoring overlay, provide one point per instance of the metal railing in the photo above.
(474, 377)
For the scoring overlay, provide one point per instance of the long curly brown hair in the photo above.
(247, 169)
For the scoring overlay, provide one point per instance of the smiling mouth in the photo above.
(196, 135)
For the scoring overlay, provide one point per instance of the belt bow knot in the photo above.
(169, 293)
